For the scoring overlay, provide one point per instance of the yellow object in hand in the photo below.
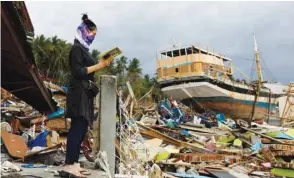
(111, 54)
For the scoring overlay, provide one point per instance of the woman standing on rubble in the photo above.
(81, 93)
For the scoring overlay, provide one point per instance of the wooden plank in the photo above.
(127, 101)
(131, 109)
(193, 125)
(46, 149)
(205, 130)
(131, 90)
(15, 144)
(155, 134)
(276, 140)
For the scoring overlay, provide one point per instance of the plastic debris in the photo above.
(56, 114)
(9, 167)
(40, 140)
(33, 166)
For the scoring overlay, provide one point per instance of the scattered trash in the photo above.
(102, 162)
(33, 166)
(167, 139)
(9, 167)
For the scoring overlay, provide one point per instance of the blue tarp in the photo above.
(56, 114)
(170, 116)
(65, 89)
(40, 140)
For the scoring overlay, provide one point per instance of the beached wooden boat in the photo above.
(203, 79)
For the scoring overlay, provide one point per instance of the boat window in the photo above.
(178, 52)
(177, 69)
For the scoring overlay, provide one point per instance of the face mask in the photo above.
(89, 39)
(86, 36)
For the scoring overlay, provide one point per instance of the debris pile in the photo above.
(29, 136)
(165, 139)
(179, 142)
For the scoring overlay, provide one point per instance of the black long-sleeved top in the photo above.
(79, 104)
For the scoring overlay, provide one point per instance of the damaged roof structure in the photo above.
(19, 74)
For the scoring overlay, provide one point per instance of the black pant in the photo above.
(76, 135)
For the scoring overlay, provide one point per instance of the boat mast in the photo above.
(257, 62)
(259, 83)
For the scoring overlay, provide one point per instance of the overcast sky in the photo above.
(142, 28)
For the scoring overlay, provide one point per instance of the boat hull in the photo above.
(212, 97)
(231, 107)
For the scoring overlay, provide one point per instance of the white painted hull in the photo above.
(213, 97)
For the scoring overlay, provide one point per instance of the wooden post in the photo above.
(253, 106)
(269, 105)
(107, 118)
(131, 92)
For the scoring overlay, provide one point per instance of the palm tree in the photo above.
(41, 48)
(51, 55)
(134, 70)
(95, 54)
(121, 66)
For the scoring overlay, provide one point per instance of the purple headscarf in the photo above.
(83, 36)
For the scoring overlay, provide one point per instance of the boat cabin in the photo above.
(191, 61)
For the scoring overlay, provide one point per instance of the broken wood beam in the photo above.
(131, 92)
(204, 130)
(46, 149)
(165, 129)
(156, 134)
(250, 130)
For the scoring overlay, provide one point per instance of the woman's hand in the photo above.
(104, 63)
